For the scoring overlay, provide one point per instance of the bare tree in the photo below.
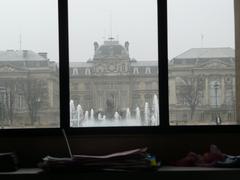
(2, 110)
(33, 91)
(191, 91)
(11, 99)
(8, 94)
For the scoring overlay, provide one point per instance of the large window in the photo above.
(113, 63)
(114, 67)
(201, 62)
(29, 82)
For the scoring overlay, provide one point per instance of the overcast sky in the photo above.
(192, 23)
(200, 23)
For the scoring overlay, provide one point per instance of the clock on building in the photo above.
(111, 67)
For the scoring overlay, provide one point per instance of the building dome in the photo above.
(111, 49)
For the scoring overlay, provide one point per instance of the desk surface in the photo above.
(197, 169)
(23, 171)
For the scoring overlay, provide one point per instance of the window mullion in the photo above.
(163, 63)
(63, 63)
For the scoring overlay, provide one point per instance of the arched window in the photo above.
(148, 70)
(123, 68)
(87, 72)
(215, 93)
(75, 72)
(135, 70)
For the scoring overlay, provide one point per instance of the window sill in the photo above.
(165, 171)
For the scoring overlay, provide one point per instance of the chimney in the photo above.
(95, 46)
(25, 53)
(43, 54)
(127, 46)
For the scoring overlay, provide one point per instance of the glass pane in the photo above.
(201, 62)
(113, 63)
(29, 82)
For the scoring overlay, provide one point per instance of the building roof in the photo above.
(111, 49)
(144, 63)
(80, 64)
(133, 64)
(207, 53)
(20, 55)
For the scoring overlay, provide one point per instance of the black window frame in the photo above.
(64, 80)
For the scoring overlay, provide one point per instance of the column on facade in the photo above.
(222, 90)
(206, 94)
(172, 91)
(234, 89)
(50, 93)
(130, 92)
(119, 98)
(142, 97)
(101, 98)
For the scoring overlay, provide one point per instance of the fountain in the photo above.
(72, 109)
(91, 115)
(79, 115)
(128, 114)
(81, 118)
(104, 117)
(99, 117)
(153, 121)
(138, 115)
(155, 109)
(116, 116)
(86, 118)
(146, 114)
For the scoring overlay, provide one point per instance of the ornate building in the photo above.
(112, 81)
(202, 87)
(29, 90)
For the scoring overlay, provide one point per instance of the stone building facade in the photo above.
(202, 87)
(29, 90)
(201, 83)
(112, 81)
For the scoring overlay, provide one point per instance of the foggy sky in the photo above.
(132, 20)
(190, 19)
(36, 20)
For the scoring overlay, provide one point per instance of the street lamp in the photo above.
(38, 101)
(2, 106)
(218, 118)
